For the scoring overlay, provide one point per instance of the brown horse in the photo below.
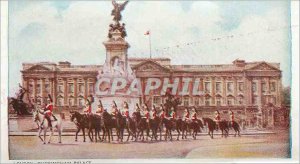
(141, 125)
(84, 121)
(117, 122)
(131, 128)
(211, 124)
(236, 128)
(172, 124)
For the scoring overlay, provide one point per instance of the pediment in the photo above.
(38, 68)
(263, 67)
(150, 66)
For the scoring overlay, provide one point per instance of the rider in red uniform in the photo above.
(173, 114)
(146, 112)
(48, 112)
(186, 114)
(154, 112)
(194, 115)
(88, 108)
(115, 110)
(126, 109)
(217, 118)
(100, 109)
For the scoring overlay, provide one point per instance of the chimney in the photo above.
(239, 63)
(64, 64)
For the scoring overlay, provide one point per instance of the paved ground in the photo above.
(250, 146)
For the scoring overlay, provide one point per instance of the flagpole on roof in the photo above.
(149, 37)
(150, 44)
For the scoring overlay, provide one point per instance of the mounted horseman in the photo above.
(48, 112)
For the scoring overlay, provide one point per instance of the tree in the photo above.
(286, 96)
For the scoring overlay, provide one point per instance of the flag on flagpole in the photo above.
(147, 33)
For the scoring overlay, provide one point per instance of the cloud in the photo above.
(74, 31)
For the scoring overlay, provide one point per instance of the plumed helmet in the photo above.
(100, 104)
(50, 98)
(88, 102)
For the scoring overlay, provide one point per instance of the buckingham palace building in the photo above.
(251, 89)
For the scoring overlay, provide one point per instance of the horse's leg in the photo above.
(78, 129)
(83, 131)
(59, 128)
(166, 134)
(111, 134)
(89, 133)
(108, 134)
(51, 133)
(40, 131)
(96, 132)
(45, 131)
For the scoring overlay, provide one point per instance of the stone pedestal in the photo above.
(115, 67)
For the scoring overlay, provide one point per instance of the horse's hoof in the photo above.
(83, 141)
(59, 142)
(44, 143)
(48, 142)
(75, 140)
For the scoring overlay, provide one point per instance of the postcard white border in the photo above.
(294, 106)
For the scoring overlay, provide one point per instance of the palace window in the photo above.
(254, 87)
(241, 87)
(38, 88)
(273, 100)
(264, 87)
(81, 88)
(186, 101)
(230, 101)
(230, 87)
(240, 100)
(60, 101)
(156, 100)
(207, 87)
(207, 101)
(47, 88)
(196, 101)
(71, 88)
(218, 87)
(255, 100)
(273, 87)
(30, 88)
(91, 88)
(71, 101)
(81, 102)
(60, 88)
(219, 101)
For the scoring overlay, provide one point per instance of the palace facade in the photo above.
(251, 89)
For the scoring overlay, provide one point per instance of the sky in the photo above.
(188, 32)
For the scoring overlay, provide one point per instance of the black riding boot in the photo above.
(55, 119)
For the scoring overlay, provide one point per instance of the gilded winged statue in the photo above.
(116, 12)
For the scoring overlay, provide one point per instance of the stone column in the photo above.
(248, 91)
(65, 80)
(75, 91)
(85, 89)
(259, 94)
(54, 90)
(213, 92)
(201, 103)
(26, 86)
(224, 90)
(278, 92)
(235, 90)
(260, 104)
(34, 89)
(44, 96)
